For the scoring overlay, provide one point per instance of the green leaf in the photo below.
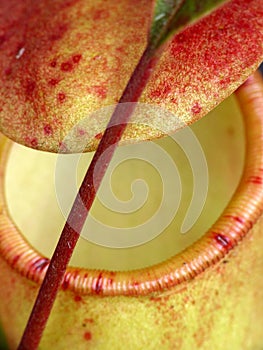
(170, 16)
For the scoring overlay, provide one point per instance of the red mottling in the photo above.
(2, 39)
(223, 241)
(68, 3)
(76, 58)
(61, 97)
(53, 82)
(66, 66)
(48, 130)
(53, 63)
(162, 91)
(58, 32)
(100, 14)
(98, 136)
(196, 108)
(78, 298)
(98, 286)
(236, 218)
(30, 86)
(214, 39)
(87, 336)
(121, 49)
(34, 142)
(82, 132)
(256, 180)
(8, 71)
(88, 320)
(162, 300)
(102, 60)
(156, 93)
(99, 90)
(225, 82)
(174, 100)
(40, 264)
(166, 89)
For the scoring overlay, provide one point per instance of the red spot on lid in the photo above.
(173, 100)
(76, 58)
(66, 66)
(61, 97)
(87, 336)
(180, 38)
(53, 63)
(196, 108)
(47, 130)
(99, 90)
(53, 82)
(166, 89)
(34, 142)
(121, 49)
(162, 91)
(81, 132)
(225, 81)
(8, 71)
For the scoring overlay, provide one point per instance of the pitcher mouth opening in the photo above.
(237, 219)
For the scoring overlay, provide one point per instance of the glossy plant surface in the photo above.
(33, 125)
(193, 314)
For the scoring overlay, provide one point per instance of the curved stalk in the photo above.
(87, 193)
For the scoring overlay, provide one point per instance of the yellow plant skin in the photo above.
(221, 308)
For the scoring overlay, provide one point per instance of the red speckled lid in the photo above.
(62, 60)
